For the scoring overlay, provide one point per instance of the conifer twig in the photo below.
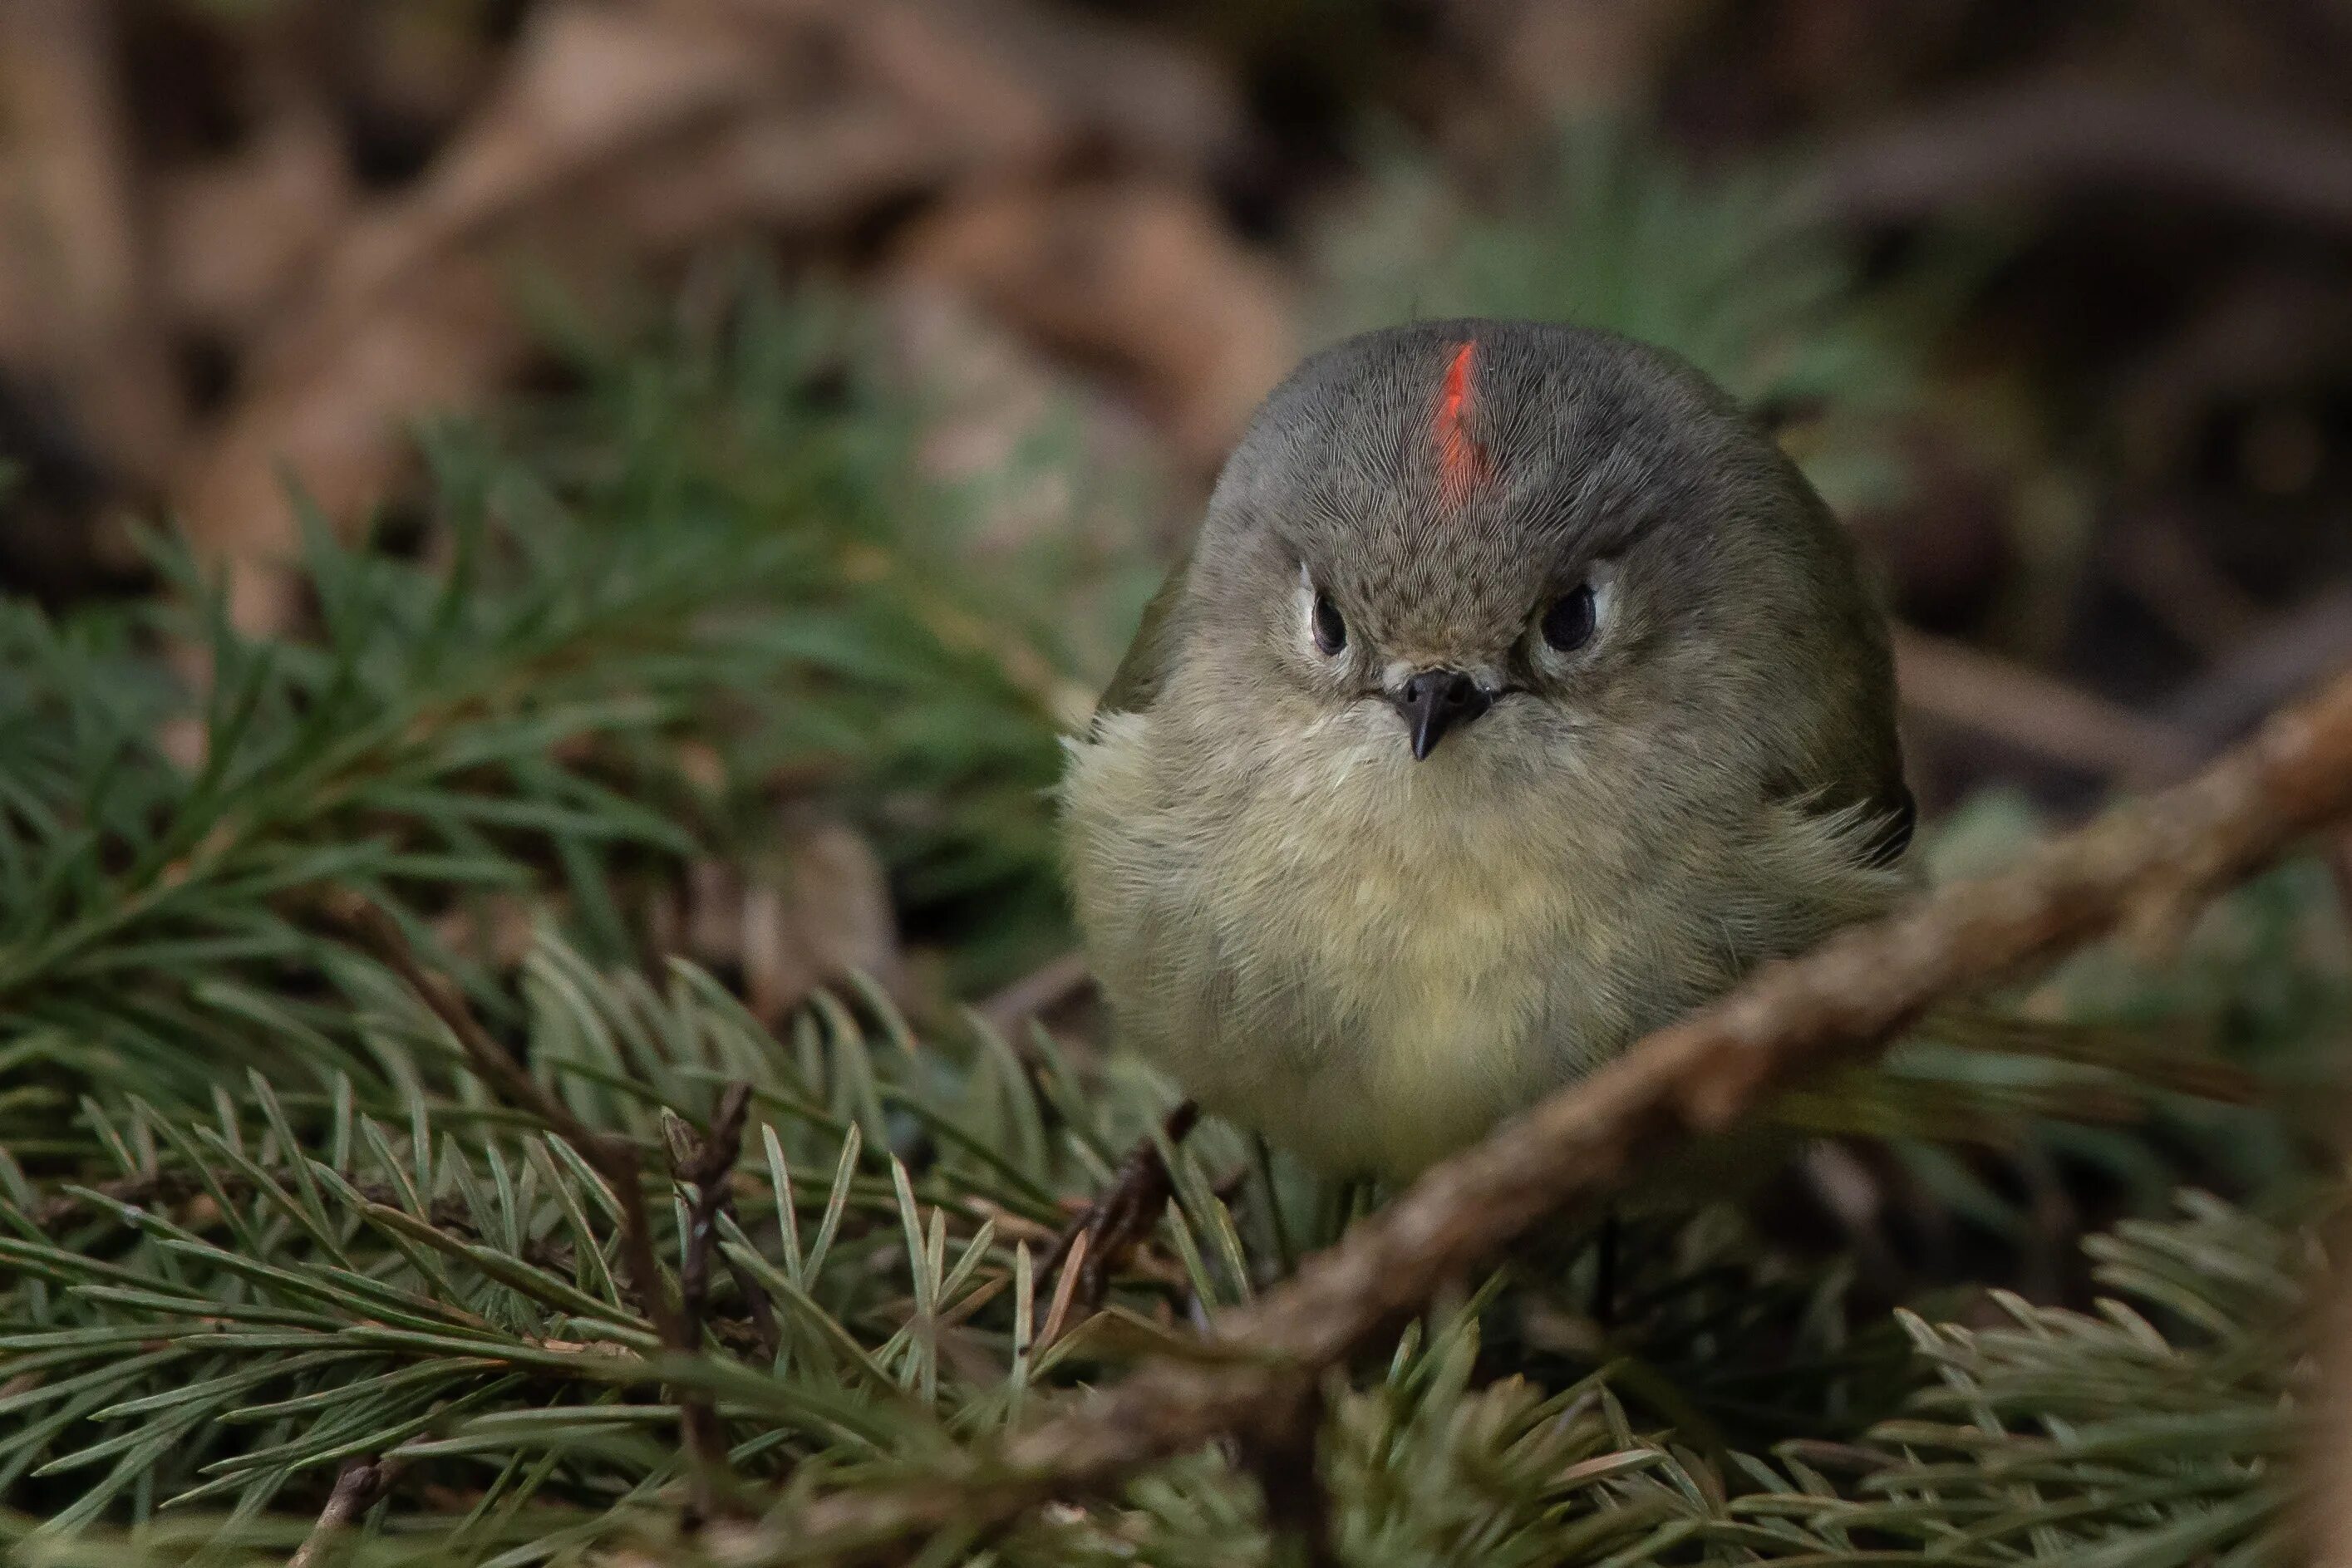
(60, 1210)
(705, 1168)
(612, 1157)
(358, 1485)
(2138, 865)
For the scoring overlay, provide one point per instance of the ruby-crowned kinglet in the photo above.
(1516, 695)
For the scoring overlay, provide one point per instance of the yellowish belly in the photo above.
(1421, 977)
(1369, 959)
(1372, 960)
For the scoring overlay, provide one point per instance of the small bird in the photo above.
(1516, 695)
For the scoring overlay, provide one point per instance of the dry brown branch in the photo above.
(1058, 981)
(706, 1168)
(2042, 138)
(1861, 989)
(2047, 718)
(1129, 1210)
(2282, 658)
(357, 1487)
(1279, 1451)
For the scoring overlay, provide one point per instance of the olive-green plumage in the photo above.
(1511, 700)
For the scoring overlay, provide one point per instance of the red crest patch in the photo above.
(1461, 460)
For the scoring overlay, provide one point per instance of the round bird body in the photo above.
(1516, 695)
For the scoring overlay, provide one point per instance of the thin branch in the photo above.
(708, 1168)
(57, 1210)
(357, 1487)
(2138, 865)
(1280, 1452)
(2050, 139)
(705, 1168)
(2026, 708)
(767, 1333)
(1052, 983)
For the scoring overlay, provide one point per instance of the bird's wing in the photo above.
(1846, 753)
(1893, 814)
(1136, 683)
(1873, 795)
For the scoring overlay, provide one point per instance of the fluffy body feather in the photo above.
(1374, 958)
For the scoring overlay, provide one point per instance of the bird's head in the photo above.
(1499, 546)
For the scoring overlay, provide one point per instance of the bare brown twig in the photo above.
(2165, 852)
(2051, 137)
(707, 1168)
(1280, 1452)
(2036, 712)
(357, 1487)
(1049, 985)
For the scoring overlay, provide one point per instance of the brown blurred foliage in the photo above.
(245, 241)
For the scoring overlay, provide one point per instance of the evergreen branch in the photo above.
(612, 1157)
(2142, 865)
(708, 1168)
(166, 1186)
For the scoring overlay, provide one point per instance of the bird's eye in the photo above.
(1330, 630)
(1568, 624)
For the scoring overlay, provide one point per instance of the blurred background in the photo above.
(664, 474)
(2052, 299)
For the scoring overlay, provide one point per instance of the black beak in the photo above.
(1435, 701)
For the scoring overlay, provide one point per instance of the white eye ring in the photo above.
(1599, 583)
